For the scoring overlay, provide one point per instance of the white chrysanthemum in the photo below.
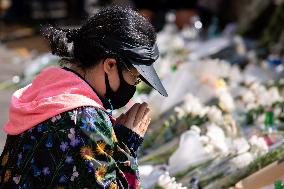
(167, 182)
(251, 106)
(248, 97)
(264, 99)
(258, 146)
(257, 87)
(214, 115)
(226, 101)
(193, 106)
(274, 95)
(180, 112)
(240, 145)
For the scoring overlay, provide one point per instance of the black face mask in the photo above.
(123, 94)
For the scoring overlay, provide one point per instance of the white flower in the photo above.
(145, 170)
(209, 149)
(248, 97)
(57, 117)
(164, 179)
(203, 111)
(180, 112)
(217, 138)
(226, 100)
(188, 156)
(214, 115)
(196, 129)
(17, 179)
(277, 111)
(258, 145)
(71, 135)
(264, 99)
(75, 174)
(274, 95)
(167, 182)
(197, 110)
(193, 106)
(257, 88)
(251, 106)
(72, 131)
(240, 145)
(74, 115)
(204, 139)
(260, 119)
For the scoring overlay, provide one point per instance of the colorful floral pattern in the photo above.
(75, 149)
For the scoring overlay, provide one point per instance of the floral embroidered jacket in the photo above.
(80, 148)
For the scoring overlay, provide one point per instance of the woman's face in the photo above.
(130, 74)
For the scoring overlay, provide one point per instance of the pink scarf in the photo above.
(53, 91)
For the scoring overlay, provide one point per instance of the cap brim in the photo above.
(151, 77)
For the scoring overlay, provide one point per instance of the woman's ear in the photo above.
(110, 65)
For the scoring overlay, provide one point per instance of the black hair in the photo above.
(84, 45)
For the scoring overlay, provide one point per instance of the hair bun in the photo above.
(73, 35)
(59, 43)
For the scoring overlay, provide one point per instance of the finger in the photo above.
(121, 119)
(145, 121)
(131, 109)
(131, 116)
(145, 116)
(145, 127)
(140, 113)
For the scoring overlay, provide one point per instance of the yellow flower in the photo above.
(60, 187)
(7, 176)
(100, 147)
(221, 84)
(100, 172)
(87, 153)
(113, 136)
(5, 159)
(113, 186)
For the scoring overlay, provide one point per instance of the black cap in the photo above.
(142, 58)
